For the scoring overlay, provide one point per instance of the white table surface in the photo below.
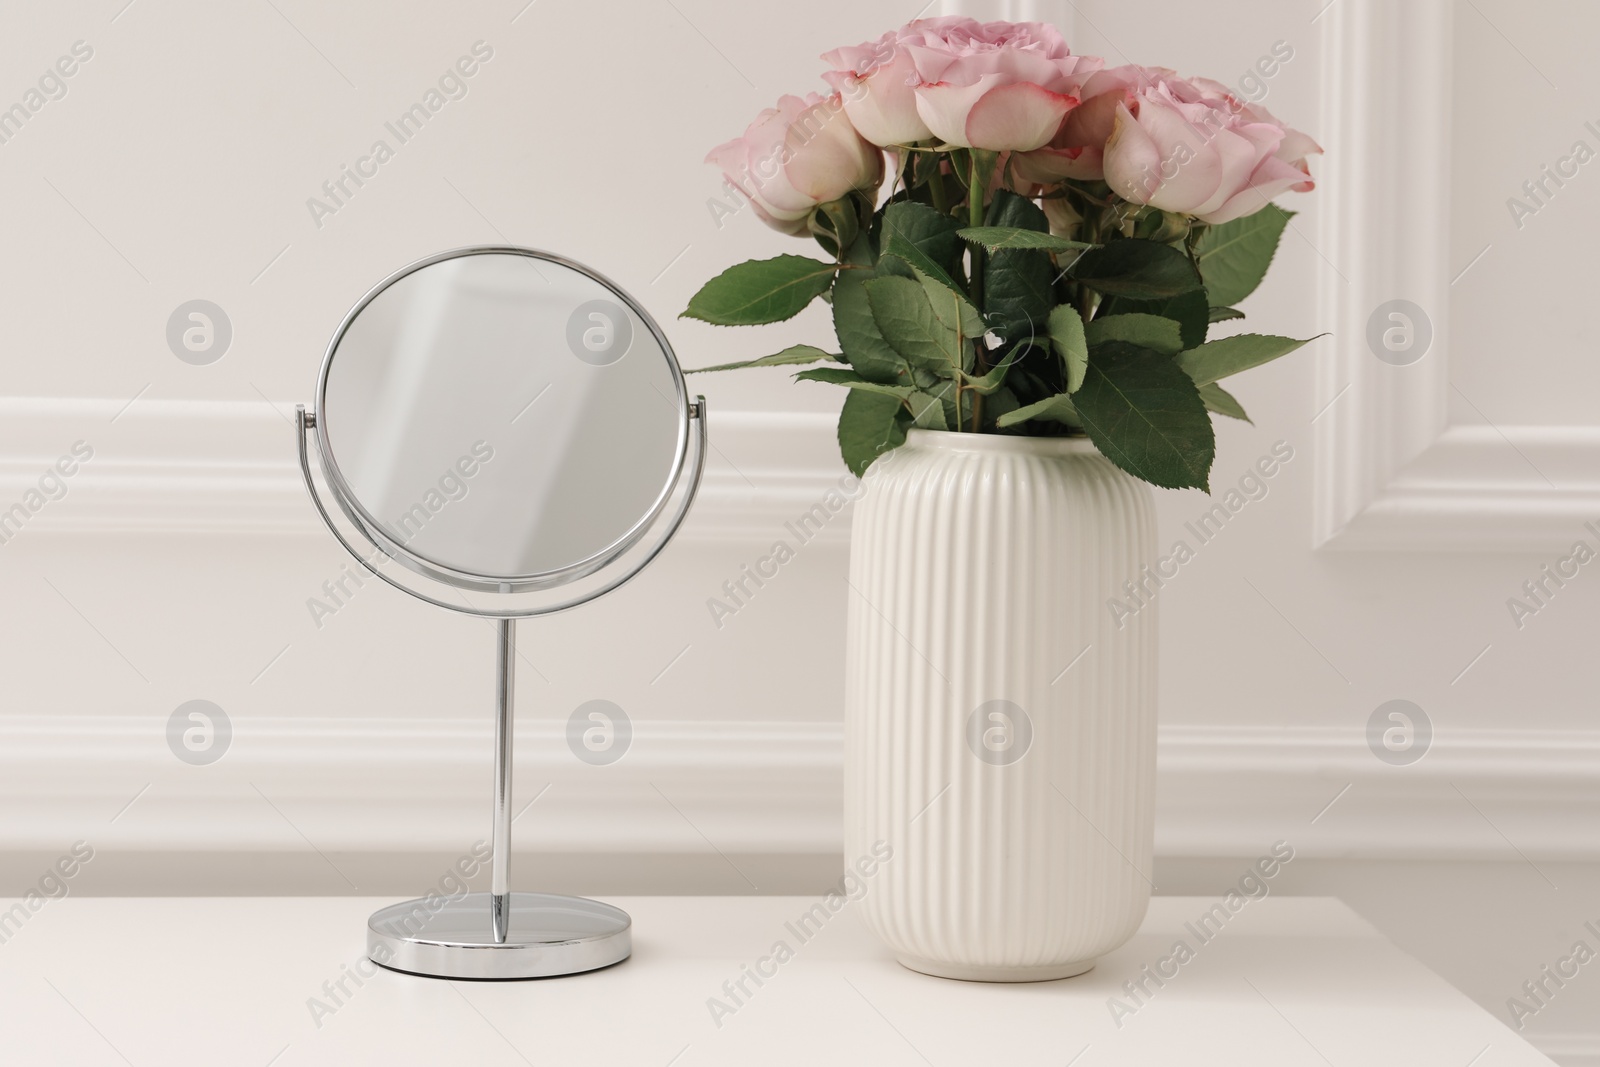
(161, 982)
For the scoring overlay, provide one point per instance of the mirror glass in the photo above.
(503, 415)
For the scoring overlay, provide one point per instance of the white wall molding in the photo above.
(1225, 789)
(1483, 488)
(228, 467)
(397, 785)
(1377, 247)
(1392, 474)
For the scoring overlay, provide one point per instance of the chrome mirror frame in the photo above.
(372, 528)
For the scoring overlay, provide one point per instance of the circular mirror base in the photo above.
(548, 935)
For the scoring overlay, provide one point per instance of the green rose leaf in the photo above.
(864, 347)
(996, 238)
(952, 308)
(789, 356)
(840, 376)
(1222, 402)
(995, 377)
(1222, 315)
(1017, 281)
(1070, 340)
(1051, 409)
(1133, 267)
(1147, 331)
(1234, 256)
(928, 412)
(869, 425)
(923, 238)
(1227, 356)
(909, 323)
(761, 290)
(1189, 310)
(1146, 416)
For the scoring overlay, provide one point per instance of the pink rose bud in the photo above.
(800, 154)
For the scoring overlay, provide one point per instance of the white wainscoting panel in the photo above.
(1392, 474)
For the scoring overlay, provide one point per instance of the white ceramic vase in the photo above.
(999, 723)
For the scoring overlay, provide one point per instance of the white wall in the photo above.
(178, 567)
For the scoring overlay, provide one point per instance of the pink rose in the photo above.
(1191, 147)
(1078, 148)
(1296, 145)
(878, 84)
(1002, 86)
(996, 85)
(800, 154)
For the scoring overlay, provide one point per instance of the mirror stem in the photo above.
(500, 879)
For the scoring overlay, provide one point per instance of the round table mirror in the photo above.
(499, 415)
(505, 422)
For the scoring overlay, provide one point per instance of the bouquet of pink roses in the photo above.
(1058, 239)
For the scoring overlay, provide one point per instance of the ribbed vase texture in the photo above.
(999, 723)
